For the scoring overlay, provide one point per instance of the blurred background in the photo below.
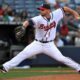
(14, 12)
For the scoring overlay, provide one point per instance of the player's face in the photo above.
(44, 12)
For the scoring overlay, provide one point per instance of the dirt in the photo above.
(51, 77)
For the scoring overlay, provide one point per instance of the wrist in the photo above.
(25, 24)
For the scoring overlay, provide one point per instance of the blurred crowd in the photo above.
(68, 31)
(10, 15)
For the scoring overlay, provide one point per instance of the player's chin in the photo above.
(42, 15)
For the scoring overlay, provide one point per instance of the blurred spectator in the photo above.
(77, 41)
(9, 14)
(62, 2)
(78, 9)
(77, 1)
(77, 38)
(64, 30)
(24, 15)
(17, 18)
(5, 6)
(58, 42)
(53, 3)
(1, 13)
(5, 17)
(73, 37)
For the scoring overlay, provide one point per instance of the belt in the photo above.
(44, 41)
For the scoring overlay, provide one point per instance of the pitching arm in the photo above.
(71, 11)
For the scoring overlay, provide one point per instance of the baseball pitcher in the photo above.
(45, 26)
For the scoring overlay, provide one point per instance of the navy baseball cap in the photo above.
(44, 6)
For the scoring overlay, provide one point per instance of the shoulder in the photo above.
(57, 10)
(37, 18)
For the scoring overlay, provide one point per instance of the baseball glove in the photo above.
(19, 32)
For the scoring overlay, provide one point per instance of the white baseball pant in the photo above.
(36, 48)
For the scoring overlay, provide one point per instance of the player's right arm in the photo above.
(27, 23)
(20, 30)
(32, 22)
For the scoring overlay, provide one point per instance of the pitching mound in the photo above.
(51, 77)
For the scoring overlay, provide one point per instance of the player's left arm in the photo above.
(71, 11)
(21, 30)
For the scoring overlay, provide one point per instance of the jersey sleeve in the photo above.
(35, 21)
(59, 13)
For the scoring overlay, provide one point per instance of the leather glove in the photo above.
(19, 32)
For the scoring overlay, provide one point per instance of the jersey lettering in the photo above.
(46, 28)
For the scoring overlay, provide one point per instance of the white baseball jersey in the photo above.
(46, 30)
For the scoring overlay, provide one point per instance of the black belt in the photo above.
(44, 41)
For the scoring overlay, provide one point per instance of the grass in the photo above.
(35, 72)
